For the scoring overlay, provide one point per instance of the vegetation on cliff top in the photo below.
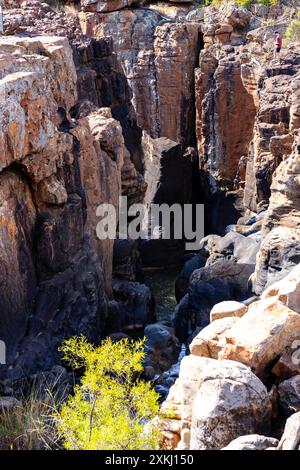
(242, 3)
(292, 33)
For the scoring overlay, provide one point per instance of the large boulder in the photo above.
(223, 280)
(262, 334)
(287, 290)
(230, 401)
(211, 339)
(252, 442)
(182, 282)
(162, 347)
(290, 439)
(216, 401)
(228, 308)
(235, 246)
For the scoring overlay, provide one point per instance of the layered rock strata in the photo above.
(55, 273)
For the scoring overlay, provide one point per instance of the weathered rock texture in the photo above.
(117, 105)
(158, 59)
(223, 280)
(216, 401)
(290, 439)
(54, 172)
(262, 334)
(107, 5)
(279, 251)
(216, 397)
(252, 442)
(225, 114)
(274, 91)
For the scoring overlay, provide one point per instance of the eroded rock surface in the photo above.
(49, 197)
(216, 401)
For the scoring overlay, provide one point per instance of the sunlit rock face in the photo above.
(225, 114)
(279, 251)
(55, 171)
(275, 92)
(213, 402)
(158, 59)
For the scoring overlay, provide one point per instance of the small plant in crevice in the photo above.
(111, 408)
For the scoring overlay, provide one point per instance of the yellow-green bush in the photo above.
(241, 3)
(111, 408)
(292, 33)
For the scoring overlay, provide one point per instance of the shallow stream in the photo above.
(162, 285)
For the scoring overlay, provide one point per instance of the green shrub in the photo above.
(269, 3)
(241, 3)
(292, 33)
(111, 408)
(244, 3)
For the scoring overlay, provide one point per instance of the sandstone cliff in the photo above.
(163, 102)
(55, 273)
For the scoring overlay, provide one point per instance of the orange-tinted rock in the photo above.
(52, 275)
(102, 153)
(225, 114)
(261, 335)
(158, 61)
(289, 363)
(175, 48)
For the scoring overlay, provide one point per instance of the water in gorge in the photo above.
(161, 282)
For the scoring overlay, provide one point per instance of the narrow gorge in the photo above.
(162, 103)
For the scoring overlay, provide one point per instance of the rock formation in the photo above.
(158, 59)
(162, 102)
(216, 401)
(207, 400)
(52, 262)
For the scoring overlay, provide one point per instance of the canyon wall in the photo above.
(55, 171)
(158, 59)
(234, 389)
(163, 103)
